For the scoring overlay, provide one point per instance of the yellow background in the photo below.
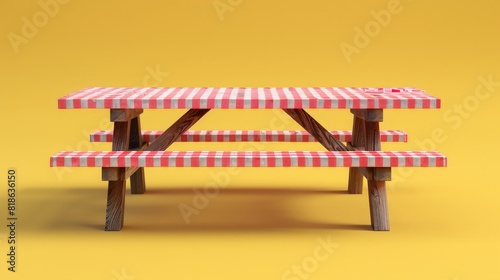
(445, 222)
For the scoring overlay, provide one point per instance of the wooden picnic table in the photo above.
(133, 149)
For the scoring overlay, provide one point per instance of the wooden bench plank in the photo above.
(378, 174)
(118, 173)
(251, 136)
(249, 159)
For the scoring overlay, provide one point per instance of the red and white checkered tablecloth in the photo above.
(248, 159)
(249, 98)
(251, 135)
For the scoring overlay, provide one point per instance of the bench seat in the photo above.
(251, 135)
(248, 159)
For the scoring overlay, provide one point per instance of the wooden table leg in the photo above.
(126, 136)
(378, 205)
(115, 206)
(116, 189)
(137, 180)
(355, 184)
(376, 189)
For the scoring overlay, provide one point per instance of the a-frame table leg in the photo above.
(366, 136)
(355, 184)
(377, 194)
(116, 189)
(127, 136)
(137, 180)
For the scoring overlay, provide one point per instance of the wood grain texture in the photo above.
(372, 142)
(136, 139)
(314, 128)
(137, 180)
(177, 129)
(369, 115)
(121, 141)
(380, 174)
(378, 205)
(117, 173)
(377, 194)
(124, 115)
(377, 174)
(115, 208)
(115, 205)
(355, 183)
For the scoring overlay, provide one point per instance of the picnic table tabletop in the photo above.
(249, 98)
